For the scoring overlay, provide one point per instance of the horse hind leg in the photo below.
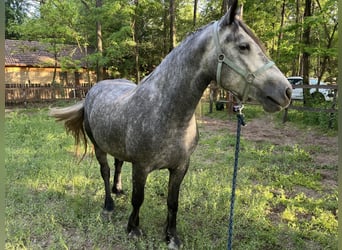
(101, 157)
(117, 185)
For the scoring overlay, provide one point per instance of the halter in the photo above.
(246, 74)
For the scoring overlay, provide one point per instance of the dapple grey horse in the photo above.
(152, 124)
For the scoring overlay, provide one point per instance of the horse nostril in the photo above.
(289, 92)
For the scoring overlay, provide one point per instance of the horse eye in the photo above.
(244, 46)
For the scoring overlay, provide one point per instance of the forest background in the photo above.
(131, 37)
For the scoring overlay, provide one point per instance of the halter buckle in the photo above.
(221, 58)
(250, 77)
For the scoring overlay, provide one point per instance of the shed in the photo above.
(34, 62)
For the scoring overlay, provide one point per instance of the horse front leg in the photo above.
(101, 157)
(175, 179)
(117, 186)
(139, 175)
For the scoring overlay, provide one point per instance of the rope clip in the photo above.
(238, 109)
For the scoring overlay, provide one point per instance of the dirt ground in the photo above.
(265, 129)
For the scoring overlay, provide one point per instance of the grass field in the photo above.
(54, 203)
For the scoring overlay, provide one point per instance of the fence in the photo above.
(24, 93)
(331, 109)
(333, 104)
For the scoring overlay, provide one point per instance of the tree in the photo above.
(100, 69)
(195, 12)
(172, 24)
(306, 53)
(136, 40)
(280, 25)
(16, 11)
(56, 25)
(136, 35)
(328, 29)
(281, 33)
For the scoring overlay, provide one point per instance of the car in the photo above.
(316, 93)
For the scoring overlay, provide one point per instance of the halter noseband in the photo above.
(246, 74)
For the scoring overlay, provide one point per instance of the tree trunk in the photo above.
(165, 29)
(55, 57)
(54, 69)
(87, 64)
(306, 54)
(281, 34)
(195, 13)
(100, 69)
(296, 65)
(172, 25)
(136, 40)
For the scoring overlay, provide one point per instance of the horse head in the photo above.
(243, 67)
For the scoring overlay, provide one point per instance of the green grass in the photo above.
(54, 203)
(324, 121)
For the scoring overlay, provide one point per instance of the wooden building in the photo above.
(32, 62)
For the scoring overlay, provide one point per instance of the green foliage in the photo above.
(54, 203)
(284, 42)
(16, 11)
(75, 22)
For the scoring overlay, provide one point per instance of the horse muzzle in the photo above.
(276, 99)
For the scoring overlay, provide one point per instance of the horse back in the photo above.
(110, 89)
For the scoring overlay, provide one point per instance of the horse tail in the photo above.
(72, 117)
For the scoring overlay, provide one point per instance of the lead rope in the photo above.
(240, 118)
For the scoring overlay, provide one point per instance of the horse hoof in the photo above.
(174, 244)
(135, 233)
(106, 215)
(118, 192)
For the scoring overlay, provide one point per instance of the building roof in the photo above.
(22, 53)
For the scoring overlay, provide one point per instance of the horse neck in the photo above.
(181, 78)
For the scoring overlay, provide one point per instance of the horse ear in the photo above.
(232, 12)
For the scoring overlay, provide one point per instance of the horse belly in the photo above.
(160, 147)
(105, 120)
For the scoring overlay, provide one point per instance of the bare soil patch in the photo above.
(323, 149)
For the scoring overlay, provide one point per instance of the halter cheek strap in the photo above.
(246, 74)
